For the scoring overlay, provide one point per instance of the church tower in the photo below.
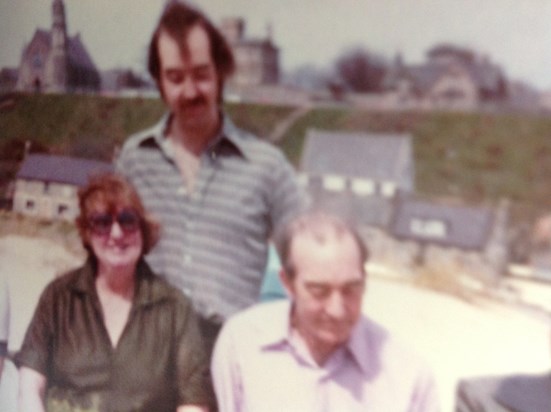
(57, 68)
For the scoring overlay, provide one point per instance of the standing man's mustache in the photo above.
(199, 100)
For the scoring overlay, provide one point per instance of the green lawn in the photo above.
(478, 157)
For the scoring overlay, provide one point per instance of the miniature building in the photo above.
(458, 226)
(257, 60)
(365, 163)
(54, 62)
(46, 186)
(452, 78)
(357, 174)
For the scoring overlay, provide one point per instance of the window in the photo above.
(68, 191)
(62, 209)
(302, 179)
(334, 183)
(388, 189)
(37, 60)
(363, 187)
(428, 228)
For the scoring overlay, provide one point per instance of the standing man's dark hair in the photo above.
(176, 21)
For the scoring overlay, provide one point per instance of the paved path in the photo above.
(28, 265)
(283, 126)
(457, 339)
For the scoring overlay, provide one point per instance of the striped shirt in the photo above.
(213, 243)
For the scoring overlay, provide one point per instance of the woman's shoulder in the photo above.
(161, 290)
(64, 285)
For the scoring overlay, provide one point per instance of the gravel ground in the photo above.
(456, 338)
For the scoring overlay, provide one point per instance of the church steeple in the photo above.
(58, 11)
(59, 76)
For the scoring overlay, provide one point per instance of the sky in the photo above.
(515, 34)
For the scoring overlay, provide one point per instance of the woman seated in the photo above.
(111, 335)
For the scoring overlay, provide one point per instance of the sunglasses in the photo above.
(101, 223)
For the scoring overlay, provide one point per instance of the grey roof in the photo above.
(374, 156)
(60, 169)
(425, 76)
(467, 227)
(42, 36)
(78, 56)
(485, 75)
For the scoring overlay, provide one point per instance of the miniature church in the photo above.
(54, 62)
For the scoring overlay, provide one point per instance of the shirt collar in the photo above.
(278, 330)
(360, 345)
(229, 136)
(278, 333)
(148, 290)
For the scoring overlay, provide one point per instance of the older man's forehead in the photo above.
(328, 258)
(327, 240)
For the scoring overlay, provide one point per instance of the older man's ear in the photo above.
(286, 282)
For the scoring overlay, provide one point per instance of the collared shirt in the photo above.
(4, 317)
(258, 366)
(213, 243)
(158, 362)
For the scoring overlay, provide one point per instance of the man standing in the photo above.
(217, 190)
(317, 352)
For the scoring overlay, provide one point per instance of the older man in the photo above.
(316, 352)
(217, 190)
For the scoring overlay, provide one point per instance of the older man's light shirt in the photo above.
(259, 366)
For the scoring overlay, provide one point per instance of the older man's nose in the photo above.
(336, 306)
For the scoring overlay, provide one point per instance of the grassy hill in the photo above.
(478, 157)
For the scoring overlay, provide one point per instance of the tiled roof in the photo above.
(61, 169)
(466, 227)
(78, 56)
(374, 156)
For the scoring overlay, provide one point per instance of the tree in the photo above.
(360, 70)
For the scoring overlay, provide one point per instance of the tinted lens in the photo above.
(100, 223)
(128, 221)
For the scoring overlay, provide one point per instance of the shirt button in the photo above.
(187, 259)
(187, 292)
(182, 190)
